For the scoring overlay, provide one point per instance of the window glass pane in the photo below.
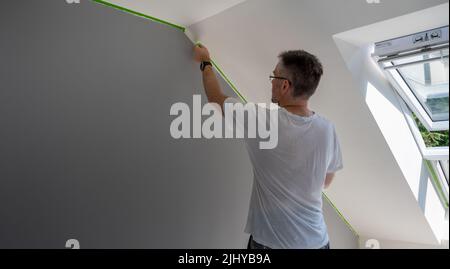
(429, 82)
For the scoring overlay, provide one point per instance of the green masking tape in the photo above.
(229, 82)
(140, 14)
(341, 216)
(225, 77)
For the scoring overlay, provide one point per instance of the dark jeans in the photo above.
(252, 244)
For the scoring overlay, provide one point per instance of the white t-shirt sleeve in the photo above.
(336, 155)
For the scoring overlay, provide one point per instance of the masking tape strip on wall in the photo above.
(140, 14)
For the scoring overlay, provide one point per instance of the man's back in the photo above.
(286, 203)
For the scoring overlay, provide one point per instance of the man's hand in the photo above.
(210, 82)
(201, 53)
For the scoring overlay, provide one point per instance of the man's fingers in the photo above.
(200, 52)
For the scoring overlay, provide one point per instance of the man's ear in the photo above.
(285, 89)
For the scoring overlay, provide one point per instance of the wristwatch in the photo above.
(203, 65)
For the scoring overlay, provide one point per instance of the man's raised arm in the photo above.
(210, 82)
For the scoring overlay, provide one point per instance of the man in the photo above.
(286, 203)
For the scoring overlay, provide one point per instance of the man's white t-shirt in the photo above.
(286, 203)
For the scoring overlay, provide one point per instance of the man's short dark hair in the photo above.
(304, 70)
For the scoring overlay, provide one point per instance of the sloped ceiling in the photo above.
(181, 12)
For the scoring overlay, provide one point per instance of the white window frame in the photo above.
(408, 96)
(389, 51)
(445, 169)
(439, 181)
(401, 47)
(431, 155)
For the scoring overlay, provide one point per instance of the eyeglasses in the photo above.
(271, 78)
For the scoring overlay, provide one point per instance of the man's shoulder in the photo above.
(324, 121)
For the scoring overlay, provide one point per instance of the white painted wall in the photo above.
(371, 191)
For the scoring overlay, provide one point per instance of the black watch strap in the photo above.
(203, 65)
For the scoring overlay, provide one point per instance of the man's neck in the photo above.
(298, 108)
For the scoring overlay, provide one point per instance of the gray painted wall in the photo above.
(85, 148)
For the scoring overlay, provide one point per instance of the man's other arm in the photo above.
(328, 179)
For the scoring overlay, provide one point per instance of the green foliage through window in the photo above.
(432, 139)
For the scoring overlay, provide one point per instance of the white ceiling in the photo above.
(180, 12)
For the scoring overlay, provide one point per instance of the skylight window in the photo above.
(428, 82)
(417, 66)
